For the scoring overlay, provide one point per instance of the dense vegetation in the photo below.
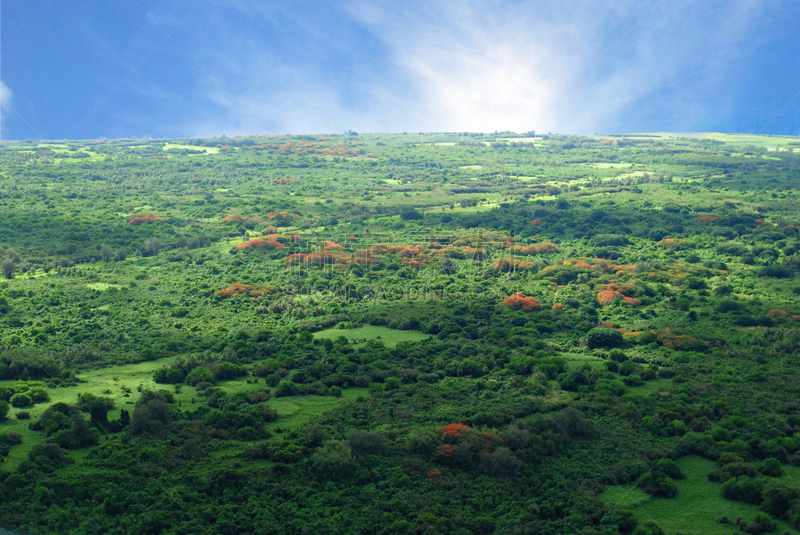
(366, 334)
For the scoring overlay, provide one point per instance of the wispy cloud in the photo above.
(240, 66)
(6, 97)
(475, 65)
(577, 66)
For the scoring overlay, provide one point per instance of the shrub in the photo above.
(778, 272)
(423, 440)
(743, 489)
(617, 355)
(725, 289)
(286, 389)
(500, 463)
(772, 467)
(21, 400)
(670, 468)
(516, 438)
(333, 460)
(4, 408)
(779, 496)
(27, 364)
(273, 380)
(364, 443)
(573, 380)
(648, 528)
(23, 415)
(168, 376)
(247, 434)
(227, 370)
(663, 487)
(633, 380)
(200, 375)
(392, 383)
(262, 371)
(470, 367)
(409, 215)
(53, 452)
(151, 414)
(624, 519)
(666, 373)
(79, 434)
(604, 337)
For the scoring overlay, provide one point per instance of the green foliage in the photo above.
(423, 440)
(21, 400)
(151, 415)
(26, 364)
(670, 468)
(200, 375)
(648, 528)
(772, 467)
(500, 463)
(603, 337)
(333, 460)
(698, 239)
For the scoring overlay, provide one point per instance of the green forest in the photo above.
(395, 333)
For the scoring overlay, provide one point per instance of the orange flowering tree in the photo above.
(286, 216)
(259, 244)
(708, 218)
(453, 430)
(239, 288)
(140, 219)
(520, 301)
(613, 291)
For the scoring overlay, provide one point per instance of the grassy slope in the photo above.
(390, 337)
(695, 511)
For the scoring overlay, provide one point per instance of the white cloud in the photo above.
(5, 94)
(6, 97)
(578, 66)
(566, 67)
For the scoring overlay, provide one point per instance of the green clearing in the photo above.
(178, 146)
(294, 412)
(609, 165)
(624, 496)
(695, 511)
(361, 335)
(576, 360)
(117, 381)
(734, 139)
(103, 286)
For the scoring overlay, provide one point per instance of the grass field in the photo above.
(297, 411)
(695, 511)
(576, 360)
(209, 150)
(102, 286)
(359, 336)
(759, 140)
(112, 382)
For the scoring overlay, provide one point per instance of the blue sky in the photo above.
(185, 68)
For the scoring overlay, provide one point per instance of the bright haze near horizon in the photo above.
(192, 68)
